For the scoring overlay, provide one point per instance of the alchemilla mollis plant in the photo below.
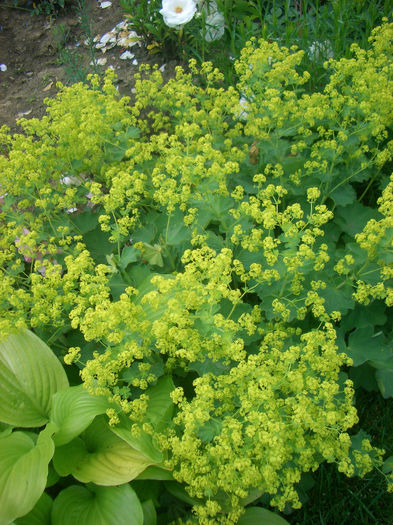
(216, 273)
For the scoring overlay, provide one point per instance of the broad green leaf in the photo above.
(30, 374)
(343, 195)
(157, 473)
(73, 409)
(128, 255)
(40, 514)
(85, 222)
(177, 231)
(68, 457)
(337, 299)
(362, 316)
(177, 490)
(100, 456)
(159, 412)
(143, 442)
(364, 376)
(93, 505)
(260, 516)
(364, 345)
(5, 430)
(160, 405)
(152, 254)
(97, 242)
(23, 472)
(354, 217)
(53, 476)
(149, 513)
(388, 465)
(385, 382)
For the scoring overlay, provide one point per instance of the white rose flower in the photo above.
(215, 23)
(176, 13)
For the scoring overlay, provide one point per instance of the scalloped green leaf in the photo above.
(364, 345)
(384, 379)
(30, 374)
(95, 505)
(23, 472)
(99, 456)
(73, 409)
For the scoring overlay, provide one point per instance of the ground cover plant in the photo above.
(213, 266)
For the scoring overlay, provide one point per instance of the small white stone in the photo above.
(126, 55)
(105, 38)
(99, 61)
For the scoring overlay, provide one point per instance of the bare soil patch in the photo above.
(29, 48)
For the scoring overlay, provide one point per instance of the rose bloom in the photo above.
(177, 12)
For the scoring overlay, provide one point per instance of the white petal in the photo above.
(106, 4)
(3, 67)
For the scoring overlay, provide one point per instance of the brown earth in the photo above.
(32, 47)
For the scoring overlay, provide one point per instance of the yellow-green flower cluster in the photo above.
(274, 415)
(377, 239)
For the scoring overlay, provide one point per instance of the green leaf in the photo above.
(364, 345)
(337, 299)
(385, 382)
(260, 516)
(157, 473)
(30, 374)
(149, 513)
(388, 465)
(128, 255)
(94, 505)
(73, 409)
(177, 490)
(40, 514)
(177, 231)
(352, 219)
(344, 195)
(364, 376)
(97, 242)
(53, 476)
(363, 316)
(5, 430)
(152, 254)
(23, 472)
(85, 222)
(99, 456)
(159, 412)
